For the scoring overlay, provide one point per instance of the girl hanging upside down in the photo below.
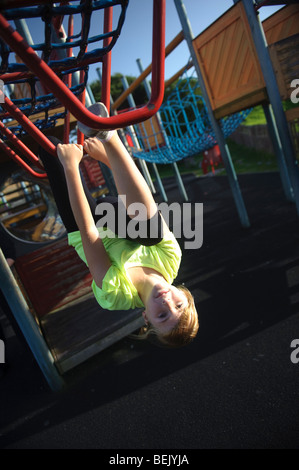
(127, 272)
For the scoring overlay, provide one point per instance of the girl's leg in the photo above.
(128, 179)
(57, 181)
(150, 226)
(129, 182)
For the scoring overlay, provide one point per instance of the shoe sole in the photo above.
(98, 109)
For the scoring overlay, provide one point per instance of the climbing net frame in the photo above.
(182, 127)
(54, 73)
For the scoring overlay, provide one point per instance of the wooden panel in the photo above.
(285, 58)
(283, 24)
(53, 276)
(151, 134)
(76, 333)
(229, 63)
(292, 114)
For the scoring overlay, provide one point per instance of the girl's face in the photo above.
(164, 307)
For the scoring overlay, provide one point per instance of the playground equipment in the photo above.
(184, 128)
(28, 210)
(234, 77)
(45, 73)
(46, 70)
(65, 329)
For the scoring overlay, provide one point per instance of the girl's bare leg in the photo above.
(128, 179)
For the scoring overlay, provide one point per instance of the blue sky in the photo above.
(135, 40)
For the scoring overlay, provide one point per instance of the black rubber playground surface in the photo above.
(234, 387)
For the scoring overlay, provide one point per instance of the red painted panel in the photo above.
(53, 276)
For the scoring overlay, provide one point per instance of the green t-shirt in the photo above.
(118, 292)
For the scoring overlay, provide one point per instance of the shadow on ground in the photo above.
(233, 387)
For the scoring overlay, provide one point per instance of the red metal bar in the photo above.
(67, 120)
(20, 146)
(80, 135)
(14, 76)
(61, 92)
(18, 160)
(106, 69)
(82, 97)
(257, 7)
(29, 127)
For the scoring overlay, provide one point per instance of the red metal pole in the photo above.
(67, 120)
(61, 92)
(20, 146)
(106, 69)
(158, 52)
(29, 127)
(82, 97)
(80, 135)
(17, 159)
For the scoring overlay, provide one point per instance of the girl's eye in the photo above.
(162, 315)
(179, 306)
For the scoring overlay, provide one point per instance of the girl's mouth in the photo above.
(161, 293)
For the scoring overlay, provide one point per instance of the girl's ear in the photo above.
(145, 317)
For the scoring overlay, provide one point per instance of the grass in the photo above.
(245, 160)
(249, 160)
(257, 115)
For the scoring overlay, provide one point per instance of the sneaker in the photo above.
(99, 109)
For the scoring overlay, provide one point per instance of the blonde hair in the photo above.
(182, 334)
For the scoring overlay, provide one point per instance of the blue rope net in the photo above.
(46, 13)
(54, 51)
(182, 128)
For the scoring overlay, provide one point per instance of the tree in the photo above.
(117, 89)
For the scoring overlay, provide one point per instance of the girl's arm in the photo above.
(98, 261)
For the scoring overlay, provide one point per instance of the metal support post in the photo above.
(260, 42)
(225, 153)
(284, 174)
(28, 326)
